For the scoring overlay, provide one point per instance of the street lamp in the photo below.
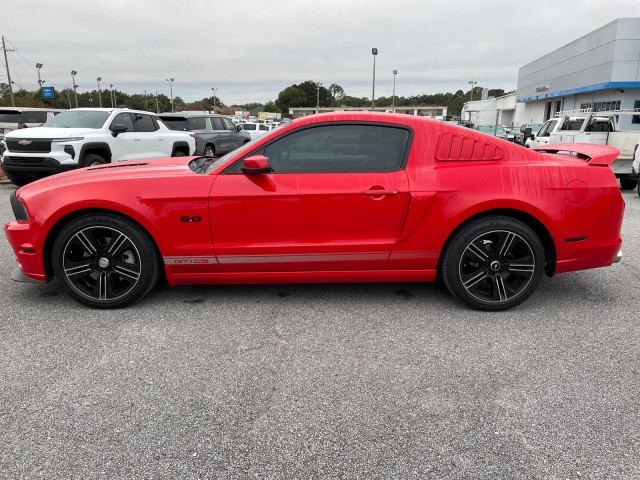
(393, 105)
(170, 80)
(111, 94)
(99, 79)
(318, 97)
(374, 52)
(472, 83)
(40, 82)
(214, 98)
(75, 92)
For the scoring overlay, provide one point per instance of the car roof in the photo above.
(189, 114)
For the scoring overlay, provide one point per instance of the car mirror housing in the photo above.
(117, 129)
(255, 165)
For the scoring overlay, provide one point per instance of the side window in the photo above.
(545, 131)
(340, 148)
(249, 126)
(636, 118)
(122, 119)
(217, 123)
(228, 125)
(144, 123)
(197, 123)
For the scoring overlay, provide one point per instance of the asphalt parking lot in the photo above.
(324, 381)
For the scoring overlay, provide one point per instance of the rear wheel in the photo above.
(209, 151)
(493, 263)
(178, 153)
(628, 183)
(105, 261)
(92, 160)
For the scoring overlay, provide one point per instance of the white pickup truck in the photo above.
(584, 126)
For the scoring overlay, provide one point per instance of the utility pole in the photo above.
(4, 49)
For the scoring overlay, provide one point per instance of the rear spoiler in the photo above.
(590, 152)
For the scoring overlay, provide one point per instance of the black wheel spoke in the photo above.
(75, 270)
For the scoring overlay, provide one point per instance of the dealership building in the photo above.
(600, 71)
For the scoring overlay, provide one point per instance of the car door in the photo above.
(153, 141)
(126, 145)
(235, 140)
(335, 200)
(542, 137)
(221, 135)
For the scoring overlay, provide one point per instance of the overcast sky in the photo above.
(250, 50)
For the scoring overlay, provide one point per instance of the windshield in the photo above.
(78, 119)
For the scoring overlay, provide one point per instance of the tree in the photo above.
(270, 107)
(290, 97)
(337, 93)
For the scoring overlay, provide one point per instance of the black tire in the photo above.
(105, 261)
(209, 151)
(479, 266)
(93, 160)
(178, 153)
(628, 183)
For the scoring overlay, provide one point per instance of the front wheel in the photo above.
(105, 261)
(494, 263)
(93, 160)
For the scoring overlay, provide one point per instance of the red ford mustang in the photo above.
(340, 197)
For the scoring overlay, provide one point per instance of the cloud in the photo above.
(252, 50)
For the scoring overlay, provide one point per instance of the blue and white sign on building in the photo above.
(47, 92)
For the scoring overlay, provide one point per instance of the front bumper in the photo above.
(22, 239)
(25, 169)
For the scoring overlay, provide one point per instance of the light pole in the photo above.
(99, 93)
(393, 106)
(472, 83)
(374, 52)
(111, 94)
(157, 104)
(40, 82)
(214, 99)
(170, 80)
(318, 97)
(75, 92)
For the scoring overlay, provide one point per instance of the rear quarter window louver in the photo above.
(452, 147)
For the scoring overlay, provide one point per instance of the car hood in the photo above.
(112, 174)
(50, 132)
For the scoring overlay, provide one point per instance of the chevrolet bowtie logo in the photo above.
(24, 142)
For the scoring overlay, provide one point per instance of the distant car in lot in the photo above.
(521, 136)
(84, 137)
(215, 134)
(494, 130)
(255, 129)
(337, 197)
(13, 118)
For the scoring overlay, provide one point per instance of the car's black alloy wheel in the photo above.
(105, 261)
(493, 263)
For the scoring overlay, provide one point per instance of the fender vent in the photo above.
(452, 147)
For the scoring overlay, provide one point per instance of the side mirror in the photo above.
(238, 128)
(255, 165)
(117, 129)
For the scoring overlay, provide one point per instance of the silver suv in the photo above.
(215, 134)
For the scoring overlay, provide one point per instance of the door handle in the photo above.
(380, 191)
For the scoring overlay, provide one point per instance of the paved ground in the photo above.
(316, 381)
